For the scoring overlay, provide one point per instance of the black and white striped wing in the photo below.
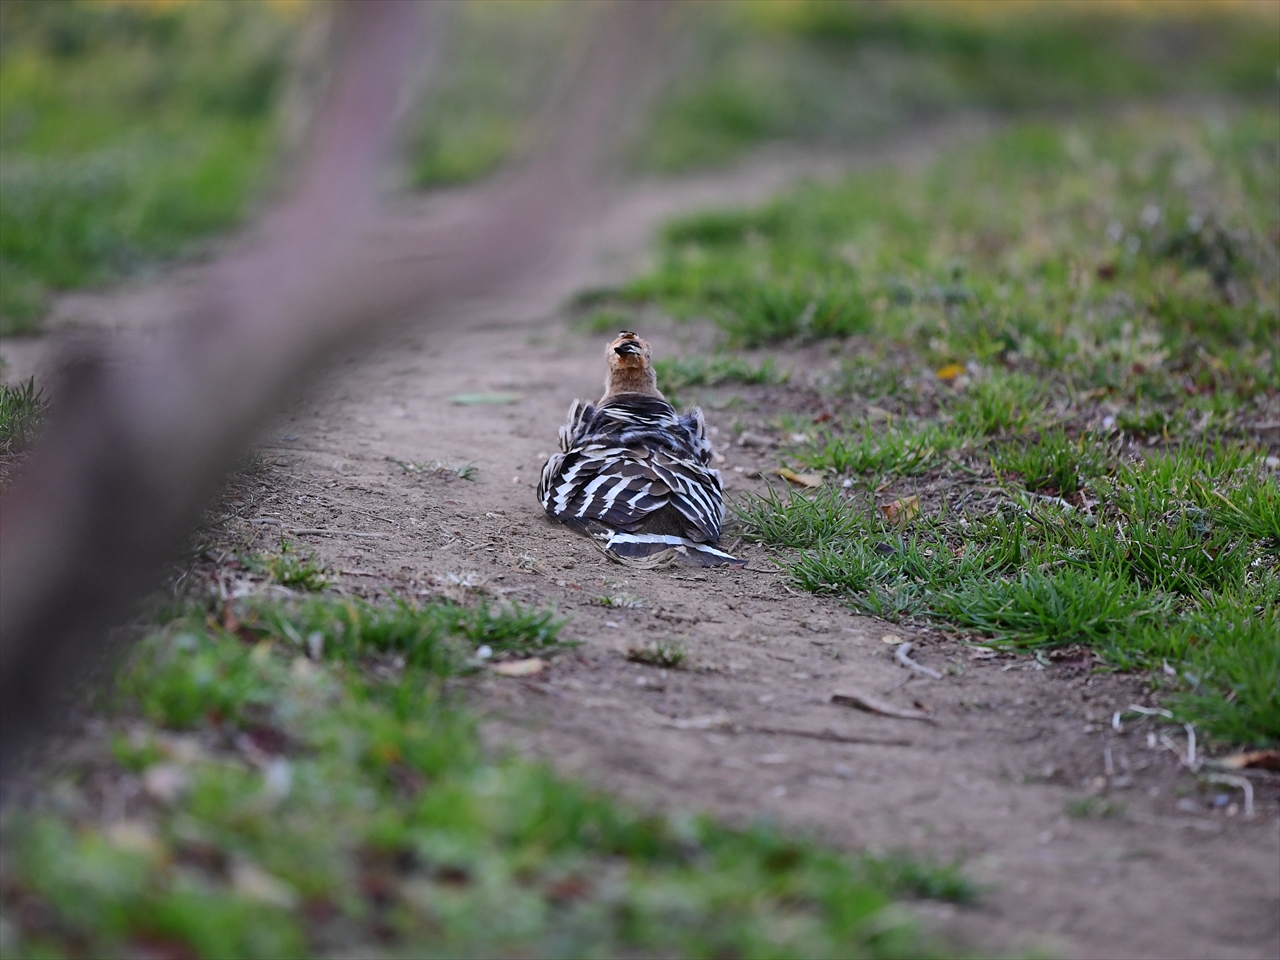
(625, 461)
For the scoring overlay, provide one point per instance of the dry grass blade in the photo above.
(1240, 783)
(856, 698)
(902, 655)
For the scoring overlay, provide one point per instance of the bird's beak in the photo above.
(627, 348)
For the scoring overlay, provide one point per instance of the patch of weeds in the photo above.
(426, 636)
(291, 569)
(931, 881)
(999, 404)
(1180, 553)
(623, 601)
(438, 468)
(313, 805)
(22, 409)
(1055, 463)
(796, 520)
(191, 674)
(758, 312)
(665, 654)
(1093, 808)
(872, 377)
(901, 450)
(676, 373)
(1251, 507)
(844, 569)
(1060, 608)
(1144, 423)
(1229, 653)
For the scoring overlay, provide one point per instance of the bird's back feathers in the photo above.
(637, 477)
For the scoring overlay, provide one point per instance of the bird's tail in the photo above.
(661, 549)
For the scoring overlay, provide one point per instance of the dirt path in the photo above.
(748, 730)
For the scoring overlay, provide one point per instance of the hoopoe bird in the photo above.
(633, 474)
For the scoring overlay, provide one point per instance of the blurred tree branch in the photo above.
(137, 445)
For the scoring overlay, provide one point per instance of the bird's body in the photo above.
(635, 475)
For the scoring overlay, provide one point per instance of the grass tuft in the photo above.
(665, 654)
(677, 373)
(798, 521)
(290, 569)
(22, 410)
(901, 450)
(1061, 608)
(1055, 463)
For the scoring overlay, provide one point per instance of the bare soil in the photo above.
(746, 729)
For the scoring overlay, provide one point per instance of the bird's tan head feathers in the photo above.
(630, 367)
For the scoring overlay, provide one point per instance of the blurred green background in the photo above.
(1107, 254)
(132, 131)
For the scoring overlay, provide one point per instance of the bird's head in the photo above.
(630, 367)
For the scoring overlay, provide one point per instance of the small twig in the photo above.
(828, 734)
(316, 531)
(1191, 746)
(856, 698)
(329, 532)
(902, 656)
(1240, 782)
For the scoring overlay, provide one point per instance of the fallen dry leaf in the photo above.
(800, 479)
(520, 668)
(856, 698)
(902, 511)
(949, 372)
(1255, 759)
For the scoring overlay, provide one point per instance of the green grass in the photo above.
(291, 569)
(823, 72)
(843, 72)
(22, 409)
(678, 374)
(126, 133)
(1146, 577)
(901, 450)
(1052, 253)
(665, 654)
(298, 797)
(1074, 330)
(498, 68)
(1053, 462)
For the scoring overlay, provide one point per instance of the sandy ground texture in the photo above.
(746, 728)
